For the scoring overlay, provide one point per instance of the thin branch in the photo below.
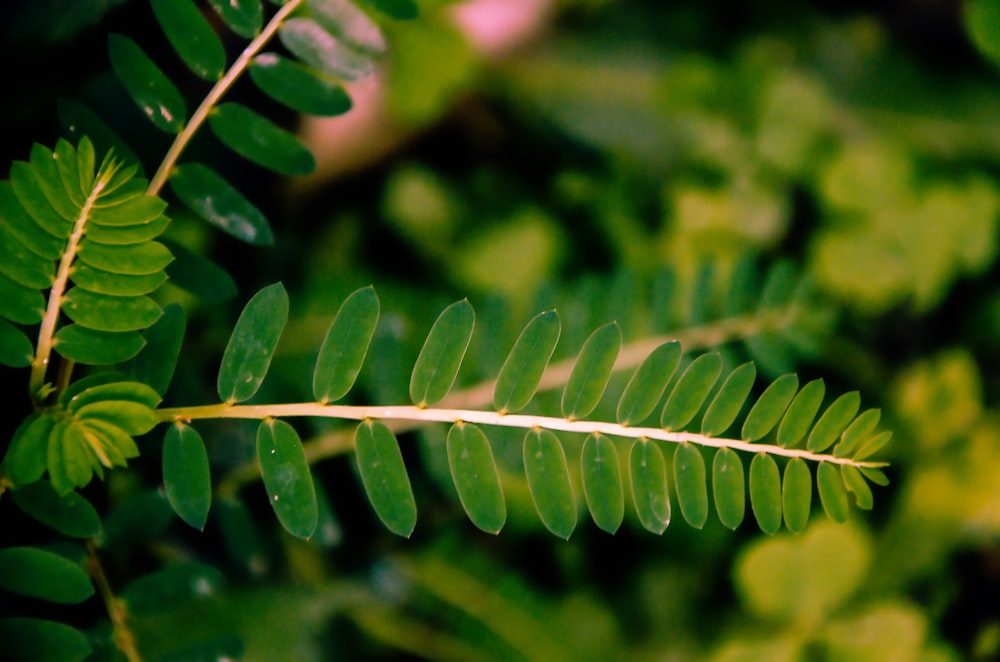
(122, 634)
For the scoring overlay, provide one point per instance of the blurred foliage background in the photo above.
(618, 160)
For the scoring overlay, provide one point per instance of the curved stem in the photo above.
(216, 93)
(122, 634)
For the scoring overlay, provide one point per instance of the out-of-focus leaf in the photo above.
(602, 482)
(244, 17)
(186, 477)
(401, 10)
(796, 494)
(285, 471)
(91, 347)
(155, 364)
(832, 494)
(239, 535)
(42, 574)
(215, 649)
(728, 402)
(199, 275)
(16, 350)
(856, 483)
(298, 87)
(523, 368)
(138, 518)
(692, 484)
(171, 587)
(258, 139)
(216, 201)
(647, 385)
(384, 477)
(344, 20)
(346, 345)
(770, 407)
(982, 22)
(765, 493)
(191, 36)
(833, 421)
(156, 96)
(728, 487)
(474, 471)
(78, 120)
(252, 344)
(591, 372)
(70, 514)
(648, 477)
(318, 48)
(547, 472)
(690, 391)
(800, 414)
(441, 356)
(33, 639)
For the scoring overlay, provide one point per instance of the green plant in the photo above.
(80, 260)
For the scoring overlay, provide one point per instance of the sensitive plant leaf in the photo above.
(298, 86)
(102, 312)
(765, 493)
(857, 433)
(79, 121)
(239, 536)
(187, 479)
(523, 367)
(138, 518)
(833, 422)
(728, 487)
(648, 478)
(384, 477)
(25, 229)
(602, 482)
(769, 408)
(191, 36)
(134, 418)
(344, 20)
(312, 44)
(116, 212)
(547, 472)
(170, 588)
(796, 494)
(474, 472)
(329, 532)
(856, 484)
(156, 96)
(33, 639)
(25, 460)
(252, 344)
(68, 460)
(16, 349)
(97, 390)
(22, 305)
(90, 347)
(728, 402)
(31, 198)
(21, 265)
(692, 484)
(690, 391)
(47, 176)
(401, 10)
(104, 282)
(647, 385)
(800, 414)
(135, 259)
(285, 472)
(155, 364)
(70, 515)
(441, 356)
(832, 494)
(876, 476)
(244, 17)
(591, 372)
(129, 234)
(257, 139)
(213, 649)
(345, 346)
(199, 275)
(42, 574)
(215, 200)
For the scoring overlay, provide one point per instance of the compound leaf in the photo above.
(648, 477)
(252, 344)
(602, 482)
(770, 407)
(800, 414)
(690, 391)
(216, 201)
(311, 43)
(858, 432)
(102, 312)
(16, 349)
(244, 17)
(26, 457)
(523, 368)
(286, 476)
(345, 345)
(832, 494)
(344, 20)
(156, 96)
(692, 484)
(833, 421)
(298, 87)
(856, 483)
(474, 472)
(873, 446)
(796, 494)
(648, 383)
(548, 482)
(729, 400)
(591, 372)
(384, 477)
(728, 487)
(765, 493)
(257, 139)
(91, 347)
(441, 356)
(146, 258)
(186, 475)
(192, 37)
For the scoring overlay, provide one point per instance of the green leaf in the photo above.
(47, 176)
(70, 514)
(21, 265)
(244, 17)
(796, 494)
(800, 414)
(876, 476)
(16, 349)
(155, 364)
(239, 535)
(128, 234)
(25, 229)
(81, 122)
(90, 347)
(102, 312)
(105, 282)
(114, 388)
(728, 402)
(833, 421)
(523, 368)
(692, 484)
(198, 275)
(25, 460)
(474, 471)
(133, 417)
(858, 432)
(690, 391)
(122, 209)
(345, 21)
(311, 43)
(212, 198)
(401, 10)
(384, 477)
(186, 475)
(602, 482)
(591, 372)
(285, 471)
(873, 446)
(259, 140)
(441, 356)
(138, 518)
(33, 200)
(33, 640)
(252, 343)
(856, 483)
(728, 487)
(770, 407)
(765, 493)
(192, 37)
(172, 587)
(153, 92)
(41, 574)
(981, 19)
(298, 86)
(345, 345)
(648, 476)
(68, 458)
(547, 472)
(647, 385)
(832, 494)
(136, 259)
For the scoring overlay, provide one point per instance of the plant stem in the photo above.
(123, 637)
